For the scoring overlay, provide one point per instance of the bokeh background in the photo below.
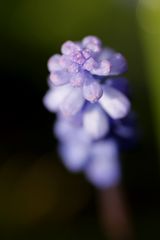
(39, 199)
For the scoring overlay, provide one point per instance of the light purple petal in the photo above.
(55, 96)
(115, 103)
(92, 90)
(95, 122)
(103, 169)
(59, 78)
(73, 102)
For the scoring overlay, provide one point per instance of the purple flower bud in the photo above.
(59, 78)
(118, 64)
(58, 63)
(95, 122)
(90, 64)
(103, 68)
(103, 169)
(92, 90)
(66, 131)
(91, 39)
(55, 96)
(115, 103)
(69, 47)
(74, 155)
(73, 102)
(75, 144)
(92, 43)
(54, 63)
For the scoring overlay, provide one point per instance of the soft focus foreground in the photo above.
(39, 198)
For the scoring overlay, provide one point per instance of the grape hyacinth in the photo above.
(81, 71)
(91, 99)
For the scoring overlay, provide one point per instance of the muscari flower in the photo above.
(80, 74)
(91, 100)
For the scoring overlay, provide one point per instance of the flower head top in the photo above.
(79, 75)
(87, 58)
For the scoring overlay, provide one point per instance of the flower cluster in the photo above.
(91, 99)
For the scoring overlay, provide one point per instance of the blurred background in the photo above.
(39, 198)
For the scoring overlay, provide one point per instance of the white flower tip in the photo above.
(115, 103)
(73, 103)
(96, 123)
